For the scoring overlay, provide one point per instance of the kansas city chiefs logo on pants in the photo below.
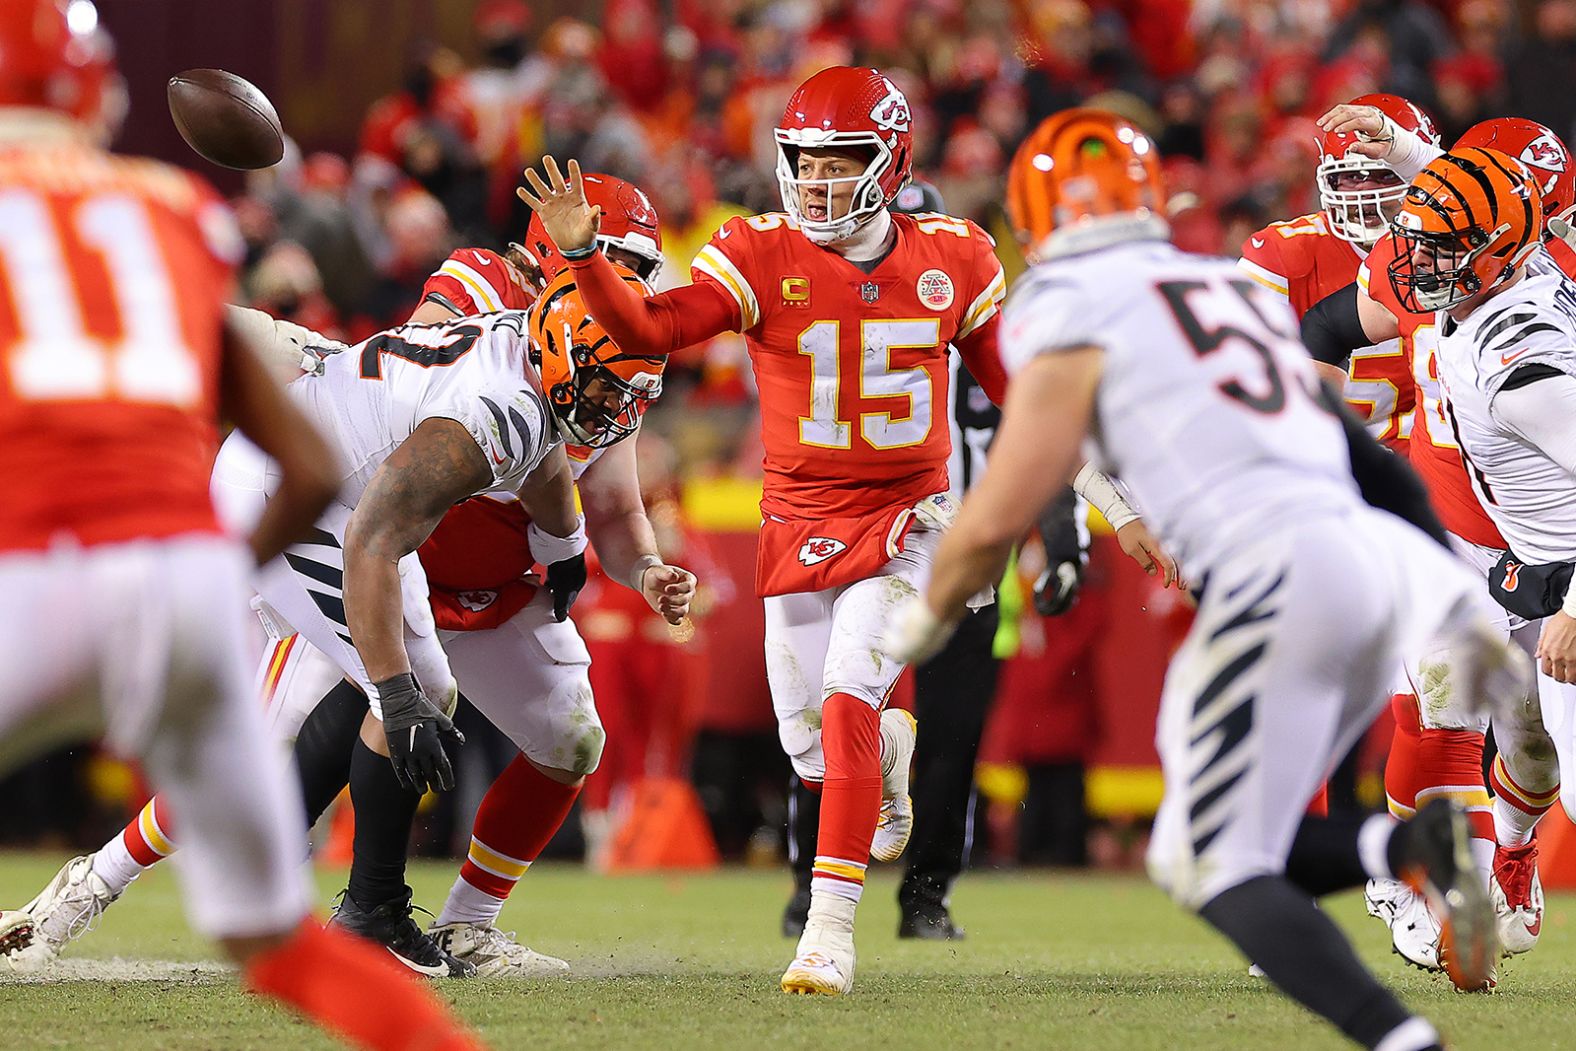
(818, 549)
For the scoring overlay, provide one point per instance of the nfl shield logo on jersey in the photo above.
(870, 291)
(818, 549)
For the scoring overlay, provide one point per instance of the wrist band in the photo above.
(547, 548)
(1569, 605)
(575, 255)
(637, 575)
(1101, 492)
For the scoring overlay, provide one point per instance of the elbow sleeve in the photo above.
(1333, 328)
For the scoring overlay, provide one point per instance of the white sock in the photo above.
(466, 904)
(831, 911)
(115, 866)
(1483, 856)
(1373, 843)
(1414, 1034)
(1512, 825)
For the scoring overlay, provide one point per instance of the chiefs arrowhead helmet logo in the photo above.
(891, 113)
(818, 549)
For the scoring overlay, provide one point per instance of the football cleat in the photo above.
(896, 823)
(390, 925)
(929, 923)
(1518, 896)
(66, 909)
(1414, 933)
(823, 964)
(16, 931)
(1439, 866)
(494, 953)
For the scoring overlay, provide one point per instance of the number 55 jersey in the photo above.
(852, 372)
(1205, 406)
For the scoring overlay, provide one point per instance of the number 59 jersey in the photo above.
(1204, 406)
(473, 370)
(852, 366)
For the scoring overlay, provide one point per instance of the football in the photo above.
(226, 119)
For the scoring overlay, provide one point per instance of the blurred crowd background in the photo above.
(413, 119)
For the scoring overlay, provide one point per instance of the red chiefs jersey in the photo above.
(852, 367)
(113, 277)
(477, 281)
(1304, 262)
(1433, 450)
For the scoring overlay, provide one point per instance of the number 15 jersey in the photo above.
(1205, 406)
(852, 366)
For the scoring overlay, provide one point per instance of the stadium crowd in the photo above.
(679, 96)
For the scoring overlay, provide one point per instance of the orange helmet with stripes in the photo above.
(1469, 220)
(1085, 177)
(596, 391)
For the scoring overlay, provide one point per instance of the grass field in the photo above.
(1091, 963)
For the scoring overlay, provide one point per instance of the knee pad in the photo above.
(577, 734)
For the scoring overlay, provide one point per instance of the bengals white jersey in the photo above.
(1530, 497)
(473, 370)
(1204, 407)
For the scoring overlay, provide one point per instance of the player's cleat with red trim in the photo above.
(67, 908)
(1517, 893)
(823, 964)
(390, 925)
(16, 931)
(1439, 866)
(899, 730)
(494, 953)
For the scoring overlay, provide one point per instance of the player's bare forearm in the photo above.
(616, 518)
(548, 495)
(255, 402)
(437, 466)
(1037, 447)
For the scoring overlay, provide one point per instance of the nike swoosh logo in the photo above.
(436, 971)
(724, 233)
(1534, 927)
(480, 258)
(1506, 359)
(1258, 242)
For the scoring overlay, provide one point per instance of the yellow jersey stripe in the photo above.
(984, 305)
(714, 264)
(481, 290)
(1268, 278)
(498, 864)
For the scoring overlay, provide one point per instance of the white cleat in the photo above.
(495, 953)
(823, 964)
(899, 731)
(65, 910)
(1517, 893)
(1414, 932)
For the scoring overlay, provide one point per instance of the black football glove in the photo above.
(416, 732)
(565, 580)
(1058, 587)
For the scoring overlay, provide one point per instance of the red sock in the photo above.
(850, 795)
(1450, 765)
(518, 815)
(352, 988)
(1401, 774)
(148, 837)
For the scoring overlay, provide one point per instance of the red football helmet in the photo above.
(54, 56)
(1541, 151)
(1363, 215)
(840, 107)
(629, 224)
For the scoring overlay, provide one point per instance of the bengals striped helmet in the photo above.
(1083, 179)
(1468, 221)
(596, 391)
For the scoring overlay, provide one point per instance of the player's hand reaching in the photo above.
(1373, 130)
(668, 590)
(1557, 647)
(561, 204)
(418, 735)
(1140, 545)
(565, 580)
